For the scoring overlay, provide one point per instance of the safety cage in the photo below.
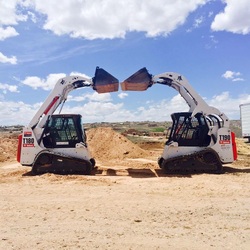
(188, 130)
(63, 131)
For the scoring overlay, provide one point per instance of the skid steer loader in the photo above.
(200, 139)
(57, 143)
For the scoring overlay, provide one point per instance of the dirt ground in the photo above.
(127, 203)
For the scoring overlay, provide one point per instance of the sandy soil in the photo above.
(127, 203)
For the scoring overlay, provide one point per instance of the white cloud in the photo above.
(94, 110)
(211, 41)
(6, 87)
(50, 81)
(46, 84)
(238, 79)
(13, 113)
(231, 75)
(104, 97)
(7, 32)
(79, 74)
(156, 111)
(198, 21)
(122, 95)
(5, 59)
(178, 103)
(10, 15)
(235, 18)
(162, 110)
(112, 19)
(32, 16)
(230, 106)
(220, 98)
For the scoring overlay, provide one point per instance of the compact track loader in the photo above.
(200, 139)
(57, 143)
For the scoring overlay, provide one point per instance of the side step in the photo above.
(49, 162)
(205, 161)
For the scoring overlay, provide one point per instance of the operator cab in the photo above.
(188, 130)
(63, 131)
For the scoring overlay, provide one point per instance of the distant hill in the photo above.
(141, 127)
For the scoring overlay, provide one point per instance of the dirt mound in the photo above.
(149, 145)
(243, 147)
(8, 146)
(106, 144)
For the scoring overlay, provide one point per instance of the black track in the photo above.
(205, 161)
(50, 162)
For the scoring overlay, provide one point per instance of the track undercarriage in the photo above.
(205, 161)
(50, 162)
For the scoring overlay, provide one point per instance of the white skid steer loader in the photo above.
(57, 143)
(200, 139)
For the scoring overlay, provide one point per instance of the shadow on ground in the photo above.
(146, 173)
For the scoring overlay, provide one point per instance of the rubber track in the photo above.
(205, 161)
(51, 162)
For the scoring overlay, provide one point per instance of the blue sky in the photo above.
(41, 41)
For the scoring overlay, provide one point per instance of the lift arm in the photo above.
(102, 82)
(142, 80)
